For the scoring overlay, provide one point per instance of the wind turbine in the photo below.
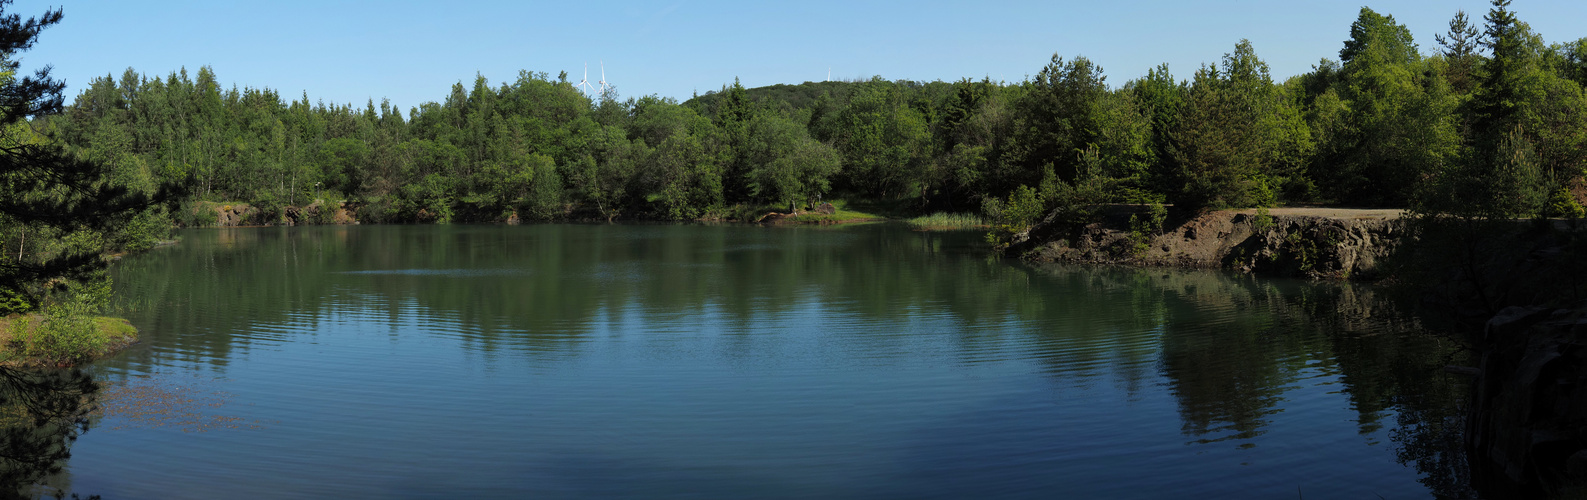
(603, 78)
(585, 82)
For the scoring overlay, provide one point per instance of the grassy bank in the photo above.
(833, 212)
(61, 340)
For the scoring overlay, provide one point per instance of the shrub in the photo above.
(269, 210)
(1263, 221)
(1561, 204)
(197, 214)
(67, 335)
(14, 302)
(1142, 229)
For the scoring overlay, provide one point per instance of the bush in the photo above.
(67, 332)
(143, 230)
(269, 210)
(1060, 202)
(67, 335)
(1025, 206)
(197, 214)
(323, 213)
(1562, 205)
(14, 302)
(1142, 229)
(1263, 221)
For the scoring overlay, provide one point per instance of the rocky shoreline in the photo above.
(1311, 243)
(1526, 427)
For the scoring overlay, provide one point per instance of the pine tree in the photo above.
(44, 192)
(1460, 49)
(1497, 100)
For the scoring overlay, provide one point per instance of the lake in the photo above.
(732, 361)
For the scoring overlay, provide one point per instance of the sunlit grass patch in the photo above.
(842, 213)
(943, 221)
(61, 340)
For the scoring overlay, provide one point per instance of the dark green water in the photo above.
(741, 362)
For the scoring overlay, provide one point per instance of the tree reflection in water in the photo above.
(41, 413)
(1232, 348)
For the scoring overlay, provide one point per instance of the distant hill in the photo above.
(780, 96)
(785, 97)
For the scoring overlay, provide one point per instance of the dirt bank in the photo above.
(1307, 242)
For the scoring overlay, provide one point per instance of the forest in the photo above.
(1488, 121)
(1491, 120)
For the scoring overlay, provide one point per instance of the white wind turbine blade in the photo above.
(584, 83)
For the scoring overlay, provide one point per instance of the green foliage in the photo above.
(60, 210)
(196, 214)
(1302, 250)
(142, 230)
(1377, 33)
(66, 336)
(268, 210)
(1508, 185)
(321, 214)
(1143, 228)
(1387, 121)
(1263, 220)
(883, 140)
(1238, 137)
(1384, 126)
(1569, 61)
(788, 167)
(1059, 117)
(14, 302)
(67, 332)
(1024, 207)
(1460, 50)
(1056, 202)
(1562, 205)
(942, 221)
(428, 200)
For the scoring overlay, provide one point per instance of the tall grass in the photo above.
(943, 221)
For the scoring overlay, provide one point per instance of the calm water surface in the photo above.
(735, 362)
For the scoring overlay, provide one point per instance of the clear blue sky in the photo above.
(412, 52)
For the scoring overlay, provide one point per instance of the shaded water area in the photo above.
(731, 361)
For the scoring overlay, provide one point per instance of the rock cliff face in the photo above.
(1316, 246)
(1527, 429)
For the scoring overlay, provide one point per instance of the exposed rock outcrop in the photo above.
(1528, 423)
(242, 214)
(1317, 246)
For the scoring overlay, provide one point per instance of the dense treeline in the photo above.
(1493, 121)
